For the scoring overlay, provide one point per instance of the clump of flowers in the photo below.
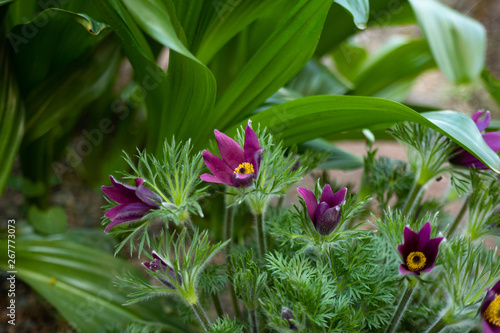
(463, 158)
(237, 167)
(419, 251)
(490, 310)
(326, 214)
(134, 202)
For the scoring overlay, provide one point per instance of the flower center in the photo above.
(244, 169)
(492, 313)
(416, 261)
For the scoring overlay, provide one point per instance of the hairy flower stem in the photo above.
(228, 234)
(254, 324)
(437, 326)
(413, 199)
(261, 236)
(457, 220)
(217, 304)
(403, 304)
(201, 315)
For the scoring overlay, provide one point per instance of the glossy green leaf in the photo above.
(316, 116)
(401, 62)
(5, 2)
(230, 20)
(457, 42)
(11, 117)
(92, 26)
(337, 159)
(492, 84)
(348, 59)
(279, 58)
(69, 90)
(360, 10)
(317, 79)
(79, 282)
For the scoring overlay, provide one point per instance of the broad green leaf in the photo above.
(360, 10)
(348, 59)
(230, 20)
(190, 87)
(279, 58)
(92, 26)
(317, 79)
(48, 222)
(402, 62)
(492, 84)
(5, 2)
(338, 159)
(69, 90)
(457, 42)
(11, 116)
(316, 116)
(79, 282)
(39, 54)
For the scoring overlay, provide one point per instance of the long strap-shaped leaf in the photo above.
(279, 58)
(311, 117)
(11, 117)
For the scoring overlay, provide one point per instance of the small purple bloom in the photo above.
(490, 310)
(326, 214)
(287, 314)
(134, 202)
(237, 166)
(492, 139)
(418, 251)
(160, 267)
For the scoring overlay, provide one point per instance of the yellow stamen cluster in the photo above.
(416, 261)
(492, 313)
(244, 169)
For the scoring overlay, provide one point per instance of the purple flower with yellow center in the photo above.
(326, 214)
(237, 166)
(490, 310)
(164, 270)
(419, 251)
(492, 139)
(134, 202)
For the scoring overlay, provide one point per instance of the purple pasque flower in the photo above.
(287, 314)
(464, 158)
(419, 251)
(166, 272)
(490, 310)
(237, 166)
(134, 202)
(326, 214)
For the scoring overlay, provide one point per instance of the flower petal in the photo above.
(217, 166)
(310, 200)
(147, 196)
(327, 196)
(328, 221)
(492, 139)
(251, 145)
(432, 249)
(482, 123)
(424, 236)
(243, 180)
(490, 328)
(212, 179)
(112, 212)
(404, 270)
(339, 197)
(410, 242)
(120, 193)
(132, 212)
(496, 287)
(230, 151)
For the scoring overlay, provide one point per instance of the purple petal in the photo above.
(212, 179)
(138, 182)
(424, 236)
(327, 196)
(310, 200)
(328, 221)
(252, 146)
(320, 210)
(492, 139)
(112, 212)
(217, 166)
(403, 270)
(132, 212)
(339, 197)
(147, 196)
(156, 256)
(230, 151)
(243, 180)
(496, 287)
(432, 250)
(482, 123)
(410, 242)
(490, 328)
(120, 193)
(490, 297)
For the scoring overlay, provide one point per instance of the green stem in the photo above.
(254, 322)
(217, 304)
(403, 304)
(234, 299)
(228, 234)
(457, 220)
(261, 236)
(438, 326)
(412, 199)
(201, 315)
